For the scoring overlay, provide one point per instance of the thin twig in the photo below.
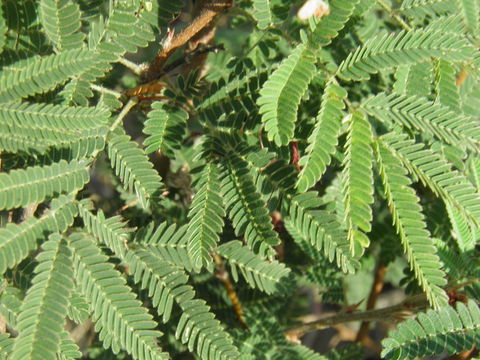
(466, 355)
(101, 89)
(211, 9)
(135, 68)
(223, 275)
(130, 104)
(377, 287)
(395, 16)
(410, 305)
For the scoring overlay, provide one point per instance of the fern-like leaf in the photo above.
(435, 332)
(35, 184)
(197, 326)
(61, 21)
(109, 231)
(120, 318)
(206, 217)
(168, 242)
(36, 128)
(414, 79)
(134, 169)
(68, 348)
(270, 277)
(469, 10)
(36, 141)
(409, 220)
(43, 74)
(324, 138)
(421, 8)
(78, 310)
(425, 116)
(438, 174)
(47, 116)
(6, 346)
(329, 26)
(159, 277)
(321, 228)
(262, 12)
(165, 127)
(44, 309)
(18, 240)
(445, 87)
(462, 232)
(390, 50)
(245, 207)
(281, 94)
(3, 30)
(358, 182)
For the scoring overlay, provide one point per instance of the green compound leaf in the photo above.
(357, 182)
(263, 13)
(121, 320)
(44, 309)
(281, 94)
(270, 277)
(410, 224)
(324, 138)
(390, 50)
(206, 217)
(446, 330)
(35, 184)
(18, 240)
(61, 21)
(426, 116)
(166, 128)
(43, 73)
(134, 169)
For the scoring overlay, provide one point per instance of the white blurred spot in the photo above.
(317, 8)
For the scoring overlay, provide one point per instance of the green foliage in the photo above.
(42, 315)
(197, 326)
(263, 13)
(439, 121)
(285, 164)
(165, 127)
(323, 140)
(322, 229)
(330, 26)
(280, 95)
(42, 74)
(133, 168)
(23, 187)
(389, 50)
(245, 207)
(206, 217)
(61, 21)
(37, 128)
(168, 242)
(17, 240)
(437, 173)
(121, 320)
(435, 332)
(269, 277)
(357, 180)
(409, 221)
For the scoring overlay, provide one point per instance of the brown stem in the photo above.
(466, 355)
(391, 313)
(377, 287)
(211, 9)
(223, 275)
(461, 77)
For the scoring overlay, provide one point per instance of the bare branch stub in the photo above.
(208, 13)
